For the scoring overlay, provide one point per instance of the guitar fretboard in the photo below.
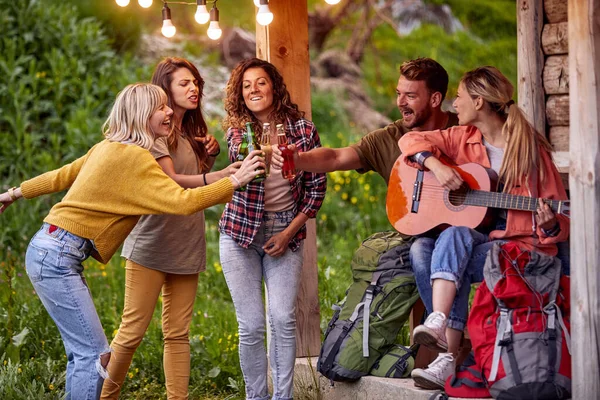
(508, 201)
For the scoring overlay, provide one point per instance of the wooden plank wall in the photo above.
(555, 77)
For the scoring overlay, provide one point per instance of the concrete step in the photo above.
(311, 385)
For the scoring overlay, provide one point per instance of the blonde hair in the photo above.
(129, 119)
(523, 142)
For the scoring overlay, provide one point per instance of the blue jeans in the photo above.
(53, 263)
(458, 255)
(244, 271)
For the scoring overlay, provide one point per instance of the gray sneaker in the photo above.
(436, 373)
(433, 332)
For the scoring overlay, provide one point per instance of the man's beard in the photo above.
(419, 118)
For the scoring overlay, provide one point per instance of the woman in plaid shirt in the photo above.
(262, 229)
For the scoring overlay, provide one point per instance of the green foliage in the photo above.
(58, 78)
(124, 24)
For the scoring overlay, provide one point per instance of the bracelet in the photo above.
(236, 179)
(217, 153)
(204, 178)
(11, 194)
(552, 232)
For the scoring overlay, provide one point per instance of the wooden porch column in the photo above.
(530, 62)
(284, 43)
(584, 181)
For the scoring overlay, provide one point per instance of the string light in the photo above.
(168, 29)
(332, 1)
(257, 3)
(202, 16)
(123, 3)
(214, 30)
(264, 15)
(145, 3)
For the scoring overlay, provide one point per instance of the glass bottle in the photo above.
(288, 171)
(253, 144)
(265, 146)
(242, 154)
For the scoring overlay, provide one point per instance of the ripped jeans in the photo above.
(53, 263)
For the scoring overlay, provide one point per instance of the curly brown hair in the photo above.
(193, 124)
(237, 111)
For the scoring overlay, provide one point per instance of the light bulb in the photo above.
(202, 16)
(168, 29)
(123, 3)
(332, 1)
(214, 30)
(264, 15)
(145, 3)
(257, 3)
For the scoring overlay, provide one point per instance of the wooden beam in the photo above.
(557, 110)
(530, 61)
(556, 75)
(284, 43)
(584, 182)
(555, 10)
(555, 38)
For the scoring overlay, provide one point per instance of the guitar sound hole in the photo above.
(457, 197)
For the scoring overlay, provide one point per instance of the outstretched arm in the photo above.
(324, 159)
(9, 197)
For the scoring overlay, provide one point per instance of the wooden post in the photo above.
(530, 61)
(284, 43)
(584, 180)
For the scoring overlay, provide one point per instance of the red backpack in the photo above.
(519, 326)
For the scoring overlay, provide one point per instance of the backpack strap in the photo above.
(552, 353)
(369, 294)
(328, 363)
(504, 333)
(561, 322)
(504, 339)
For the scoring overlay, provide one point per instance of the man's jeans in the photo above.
(458, 255)
(53, 263)
(244, 271)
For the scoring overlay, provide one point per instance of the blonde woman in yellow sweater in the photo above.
(110, 187)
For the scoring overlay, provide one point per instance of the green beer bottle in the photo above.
(242, 154)
(253, 144)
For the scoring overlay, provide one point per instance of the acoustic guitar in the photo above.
(417, 203)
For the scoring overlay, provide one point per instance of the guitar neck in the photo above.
(509, 201)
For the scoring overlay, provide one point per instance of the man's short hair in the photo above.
(428, 70)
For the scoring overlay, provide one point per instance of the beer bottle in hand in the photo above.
(265, 146)
(288, 171)
(253, 144)
(242, 154)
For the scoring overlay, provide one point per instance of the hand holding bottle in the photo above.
(251, 166)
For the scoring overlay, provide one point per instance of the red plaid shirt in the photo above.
(243, 215)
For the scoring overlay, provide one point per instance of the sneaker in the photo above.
(433, 332)
(434, 377)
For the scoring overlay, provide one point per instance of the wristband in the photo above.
(204, 178)
(236, 179)
(551, 232)
(11, 194)
(216, 154)
(420, 158)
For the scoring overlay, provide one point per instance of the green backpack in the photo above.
(378, 302)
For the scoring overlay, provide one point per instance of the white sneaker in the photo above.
(433, 332)
(434, 377)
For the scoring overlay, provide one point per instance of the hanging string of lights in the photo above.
(264, 16)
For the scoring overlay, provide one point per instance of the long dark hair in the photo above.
(237, 112)
(193, 124)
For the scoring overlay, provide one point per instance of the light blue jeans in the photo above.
(53, 263)
(458, 255)
(244, 271)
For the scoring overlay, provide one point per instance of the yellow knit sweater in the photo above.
(110, 188)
